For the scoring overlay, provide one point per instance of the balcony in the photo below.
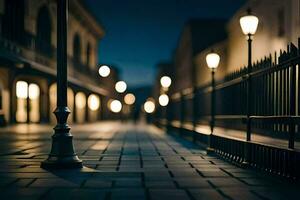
(42, 56)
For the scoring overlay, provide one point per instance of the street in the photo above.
(126, 161)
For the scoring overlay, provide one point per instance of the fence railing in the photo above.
(274, 102)
(274, 98)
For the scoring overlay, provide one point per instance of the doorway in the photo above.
(28, 102)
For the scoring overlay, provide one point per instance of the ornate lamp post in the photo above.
(62, 153)
(212, 60)
(249, 24)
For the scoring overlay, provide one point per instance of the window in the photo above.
(43, 35)
(77, 49)
(13, 20)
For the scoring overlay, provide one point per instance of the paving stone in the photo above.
(76, 194)
(193, 183)
(185, 173)
(238, 194)
(134, 163)
(95, 183)
(128, 183)
(214, 174)
(206, 194)
(174, 194)
(226, 182)
(23, 182)
(6, 181)
(22, 193)
(160, 184)
(53, 183)
(127, 193)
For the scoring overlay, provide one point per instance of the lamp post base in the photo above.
(62, 154)
(62, 163)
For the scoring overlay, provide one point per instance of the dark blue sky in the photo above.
(141, 33)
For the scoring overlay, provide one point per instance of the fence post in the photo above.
(292, 106)
(168, 115)
(195, 113)
(249, 103)
(209, 148)
(182, 105)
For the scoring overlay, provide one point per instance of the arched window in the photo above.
(43, 35)
(88, 54)
(77, 48)
(13, 20)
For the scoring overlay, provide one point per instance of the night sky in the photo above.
(141, 33)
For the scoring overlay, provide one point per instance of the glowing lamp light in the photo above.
(21, 89)
(115, 106)
(80, 100)
(149, 106)
(104, 71)
(212, 60)
(129, 99)
(249, 24)
(163, 100)
(93, 102)
(165, 81)
(120, 86)
(34, 91)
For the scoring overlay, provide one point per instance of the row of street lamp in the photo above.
(163, 99)
(120, 86)
(249, 24)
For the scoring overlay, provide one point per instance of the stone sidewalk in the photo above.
(123, 161)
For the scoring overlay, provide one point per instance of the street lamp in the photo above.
(104, 71)
(165, 81)
(249, 24)
(212, 60)
(115, 106)
(129, 99)
(149, 106)
(62, 153)
(120, 86)
(163, 100)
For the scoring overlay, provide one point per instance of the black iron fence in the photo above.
(274, 102)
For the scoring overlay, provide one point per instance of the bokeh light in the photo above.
(163, 100)
(129, 99)
(165, 81)
(149, 106)
(93, 102)
(120, 86)
(115, 106)
(104, 71)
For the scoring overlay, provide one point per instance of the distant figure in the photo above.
(136, 115)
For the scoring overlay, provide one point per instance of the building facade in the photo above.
(197, 35)
(279, 25)
(28, 62)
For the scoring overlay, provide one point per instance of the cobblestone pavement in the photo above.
(123, 161)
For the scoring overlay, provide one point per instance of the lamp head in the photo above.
(212, 60)
(249, 23)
